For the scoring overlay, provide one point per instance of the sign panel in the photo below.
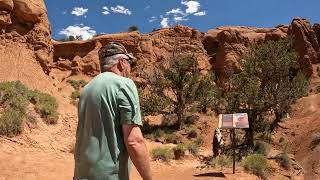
(237, 120)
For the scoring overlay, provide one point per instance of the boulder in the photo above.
(6, 5)
(5, 18)
(28, 11)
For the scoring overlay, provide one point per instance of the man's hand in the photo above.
(137, 149)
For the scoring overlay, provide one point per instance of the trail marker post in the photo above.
(233, 121)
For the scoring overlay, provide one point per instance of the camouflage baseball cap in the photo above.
(114, 48)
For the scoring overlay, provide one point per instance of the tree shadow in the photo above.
(211, 174)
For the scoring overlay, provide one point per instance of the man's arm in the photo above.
(137, 149)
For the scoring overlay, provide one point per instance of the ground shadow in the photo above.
(212, 174)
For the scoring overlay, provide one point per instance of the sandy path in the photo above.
(32, 164)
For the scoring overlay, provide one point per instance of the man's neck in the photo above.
(115, 71)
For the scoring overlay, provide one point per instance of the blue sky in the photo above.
(89, 17)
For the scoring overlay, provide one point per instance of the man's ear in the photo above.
(120, 65)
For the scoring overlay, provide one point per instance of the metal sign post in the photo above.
(234, 121)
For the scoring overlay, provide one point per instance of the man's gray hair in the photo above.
(110, 61)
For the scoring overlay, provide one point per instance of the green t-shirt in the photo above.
(107, 102)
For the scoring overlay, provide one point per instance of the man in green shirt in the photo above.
(108, 131)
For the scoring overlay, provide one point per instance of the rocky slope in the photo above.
(219, 48)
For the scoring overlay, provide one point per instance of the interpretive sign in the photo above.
(237, 120)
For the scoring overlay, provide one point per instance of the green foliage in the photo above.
(75, 95)
(191, 119)
(264, 136)
(179, 151)
(284, 160)
(14, 95)
(11, 122)
(172, 138)
(164, 154)
(71, 38)
(270, 81)
(193, 148)
(222, 161)
(14, 99)
(175, 89)
(256, 164)
(208, 92)
(77, 84)
(13, 102)
(45, 105)
(262, 147)
(133, 28)
(199, 141)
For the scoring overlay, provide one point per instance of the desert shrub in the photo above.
(256, 164)
(192, 133)
(164, 154)
(284, 160)
(193, 148)
(158, 133)
(191, 119)
(172, 138)
(199, 141)
(14, 95)
(11, 123)
(264, 136)
(133, 28)
(316, 138)
(222, 161)
(75, 95)
(77, 84)
(46, 106)
(149, 136)
(262, 147)
(179, 151)
(14, 99)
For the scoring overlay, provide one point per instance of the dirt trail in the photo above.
(32, 164)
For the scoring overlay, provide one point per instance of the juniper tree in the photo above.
(176, 88)
(269, 83)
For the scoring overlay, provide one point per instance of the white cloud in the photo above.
(164, 22)
(152, 19)
(175, 11)
(178, 18)
(192, 6)
(106, 10)
(147, 7)
(79, 11)
(85, 32)
(202, 13)
(121, 10)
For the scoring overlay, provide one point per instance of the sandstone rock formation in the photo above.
(150, 49)
(26, 22)
(25, 42)
(226, 45)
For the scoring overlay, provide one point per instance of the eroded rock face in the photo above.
(227, 45)
(219, 49)
(6, 4)
(27, 22)
(306, 44)
(151, 50)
